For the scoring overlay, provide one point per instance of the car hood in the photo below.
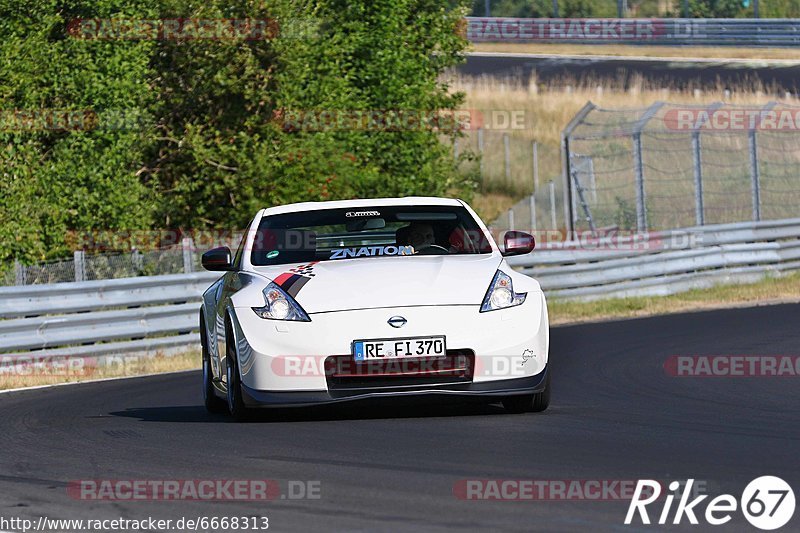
(386, 281)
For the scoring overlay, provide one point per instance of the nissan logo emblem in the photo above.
(397, 322)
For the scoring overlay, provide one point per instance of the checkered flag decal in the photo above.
(304, 270)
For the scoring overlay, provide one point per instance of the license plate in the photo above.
(368, 350)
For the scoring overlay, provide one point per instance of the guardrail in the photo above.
(665, 262)
(697, 32)
(152, 313)
(101, 317)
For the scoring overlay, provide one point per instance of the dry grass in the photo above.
(687, 52)
(767, 291)
(32, 373)
(491, 205)
(547, 110)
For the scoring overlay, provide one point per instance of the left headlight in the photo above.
(280, 306)
(501, 294)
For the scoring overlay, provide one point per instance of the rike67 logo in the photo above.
(767, 503)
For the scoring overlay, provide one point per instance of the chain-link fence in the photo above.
(670, 166)
(178, 259)
(515, 164)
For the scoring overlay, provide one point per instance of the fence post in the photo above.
(566, 154)
(638, 166)
(553, 205)
(699, 209)
(480, 149)
(697, 163)
(19, 273)
(641, 210)
(455, 149)
(511, 219)
(79, 258)
(507, 157)
(582, 198)
(535, 166)
(137, 260)
(532, 200)
(188, 245)
(754, 175)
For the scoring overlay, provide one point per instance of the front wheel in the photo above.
(536, 403)
(236, 405)
(213, 403)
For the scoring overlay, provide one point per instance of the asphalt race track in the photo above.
(616, 415)
(777, 77)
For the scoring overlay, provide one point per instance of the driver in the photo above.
(420, 235)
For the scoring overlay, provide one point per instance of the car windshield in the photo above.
(354, 233)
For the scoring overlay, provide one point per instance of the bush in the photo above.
(211, 151)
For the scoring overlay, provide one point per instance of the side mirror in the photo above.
(217, 259)
(518, 243)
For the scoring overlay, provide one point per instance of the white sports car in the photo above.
(337, 301)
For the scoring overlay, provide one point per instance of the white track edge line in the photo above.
(52, 385)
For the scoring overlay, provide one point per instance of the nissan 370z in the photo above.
(349, 300)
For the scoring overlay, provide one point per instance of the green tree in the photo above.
(514, 8)
(223, 152)
(715, 8)
(55, 179)
(210, 147)
(780, 9)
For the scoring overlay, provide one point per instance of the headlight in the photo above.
(501, 294)
(280, 306)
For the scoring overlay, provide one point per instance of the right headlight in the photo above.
(501, 294)
(280, 306)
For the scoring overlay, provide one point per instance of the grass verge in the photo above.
(768, 291)
(31, 372)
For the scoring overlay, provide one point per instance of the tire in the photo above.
(535, 403)
(213, 403)
(236, 406)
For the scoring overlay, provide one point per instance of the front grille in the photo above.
(344, 373)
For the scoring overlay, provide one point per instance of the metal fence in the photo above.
(662, 263)
(101, 317)
(146, 314)
(514, 164)
(652, 31)
(672, 166)
(85, 266)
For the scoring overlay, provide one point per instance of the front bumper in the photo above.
(486, 391)
(508, 351)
